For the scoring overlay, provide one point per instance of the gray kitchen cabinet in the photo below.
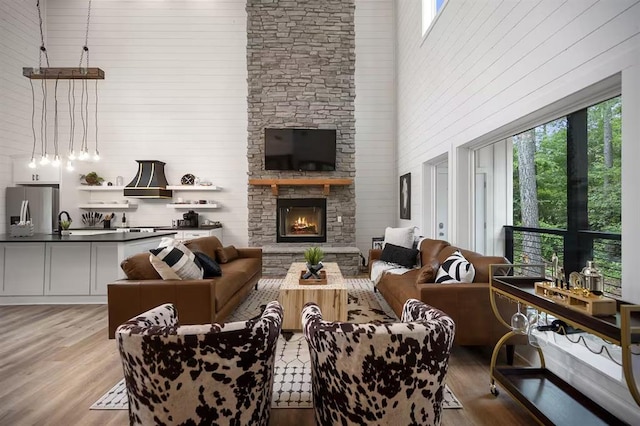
(105, 261)
(68, 269)
(22, 269)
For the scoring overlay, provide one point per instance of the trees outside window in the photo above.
(567, 181)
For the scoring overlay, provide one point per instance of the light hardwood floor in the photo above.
(55, 361)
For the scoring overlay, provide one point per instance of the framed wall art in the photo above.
(405, 196)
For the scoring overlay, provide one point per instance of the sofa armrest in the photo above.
(194, 299)
(250, 252)
(374, 254)
(469, 304)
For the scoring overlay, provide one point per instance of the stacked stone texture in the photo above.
(301, 63)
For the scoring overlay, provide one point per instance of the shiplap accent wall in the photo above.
(376, 182)
(485, 65)
(175, 91)
(19, 42)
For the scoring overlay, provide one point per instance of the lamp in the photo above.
(83, 73)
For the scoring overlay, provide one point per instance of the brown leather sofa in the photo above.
(467, 304)
(202, 301)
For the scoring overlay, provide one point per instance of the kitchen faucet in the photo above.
(60, 220)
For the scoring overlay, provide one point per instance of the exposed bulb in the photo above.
(44, 160)
(83, 155)
(72, 155)
(32, 163)
(96, 156)
(70, 166)
(56, 161)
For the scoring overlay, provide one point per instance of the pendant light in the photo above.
(83, 73)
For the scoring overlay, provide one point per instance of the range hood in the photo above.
(150, 182)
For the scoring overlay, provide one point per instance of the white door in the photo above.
(442, 200)
(481, 213)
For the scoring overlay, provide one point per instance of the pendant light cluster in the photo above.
(50, 152)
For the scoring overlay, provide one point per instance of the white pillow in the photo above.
(179, 259)
(403, 237)
(456, 269)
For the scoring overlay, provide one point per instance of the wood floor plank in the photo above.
(56, 360)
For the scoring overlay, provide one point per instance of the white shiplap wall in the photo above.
(175, 91)
(19, 42)
(376, 183)
(487, 64)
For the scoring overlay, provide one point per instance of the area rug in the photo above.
(292, 375)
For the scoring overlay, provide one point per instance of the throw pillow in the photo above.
(456, 269)
(180, 259)
(164, 270)
(226, 254)
(400, 255)
(402, 237)
(209, 266)
(428, 273)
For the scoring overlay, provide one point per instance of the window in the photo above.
(430, 9)
(567, 192)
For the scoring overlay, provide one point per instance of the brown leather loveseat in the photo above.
(467, 304)
(201, 301)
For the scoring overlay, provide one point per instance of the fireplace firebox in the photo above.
(301, 220)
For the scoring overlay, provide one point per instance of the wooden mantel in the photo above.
(326, 183)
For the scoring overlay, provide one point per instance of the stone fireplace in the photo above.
(301, 220)
(300, 74)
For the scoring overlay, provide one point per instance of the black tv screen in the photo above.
(300, 149)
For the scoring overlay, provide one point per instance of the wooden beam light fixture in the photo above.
(83, 73)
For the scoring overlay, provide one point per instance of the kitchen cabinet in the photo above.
(105, 267)
(41, 175)
(68, 269)
(190, 234)
(22, 269)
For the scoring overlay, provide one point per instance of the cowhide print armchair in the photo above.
(376, 373)
(199, 374)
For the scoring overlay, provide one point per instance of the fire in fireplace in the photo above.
(301, 220)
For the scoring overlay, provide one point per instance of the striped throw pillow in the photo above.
(180, 260)
(456, 269)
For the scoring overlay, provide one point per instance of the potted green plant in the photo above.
(64, 226)
(313, 255)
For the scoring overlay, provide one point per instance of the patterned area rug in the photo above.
(292, 375)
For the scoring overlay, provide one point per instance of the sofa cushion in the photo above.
(206, 245)
(226, 254)
(403, 237)
(402, 256)
(210, 267)
(179, 258)
(234, 276)
(138, 267)
(456, 269)
(428, 273)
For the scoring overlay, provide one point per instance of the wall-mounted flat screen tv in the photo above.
(300, 149)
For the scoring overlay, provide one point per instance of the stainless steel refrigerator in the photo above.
(43, 206)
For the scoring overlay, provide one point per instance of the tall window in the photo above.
(430, 9)
(567, 191)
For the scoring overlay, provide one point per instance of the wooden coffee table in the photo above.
(330, 297)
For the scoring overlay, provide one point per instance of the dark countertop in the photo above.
(111, 237)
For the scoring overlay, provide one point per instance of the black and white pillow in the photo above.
(456, 269)
(180, 261)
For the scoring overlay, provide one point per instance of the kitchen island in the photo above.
(54, 269)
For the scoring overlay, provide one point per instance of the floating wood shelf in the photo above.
(326, 183)
(69, 73)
